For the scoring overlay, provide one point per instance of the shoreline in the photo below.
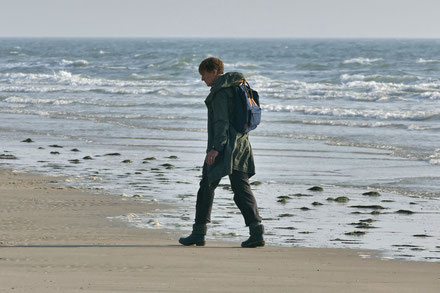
(61, 239)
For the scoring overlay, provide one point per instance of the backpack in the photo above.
(247, 107)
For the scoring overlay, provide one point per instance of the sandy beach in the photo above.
(59, 239)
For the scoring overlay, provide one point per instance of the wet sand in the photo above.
(58, 239)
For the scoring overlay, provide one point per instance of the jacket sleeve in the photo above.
(221, 120)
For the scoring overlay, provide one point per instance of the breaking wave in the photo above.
(76, 63)
(346, 112)
(362, 61)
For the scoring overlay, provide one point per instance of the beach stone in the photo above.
(405, 212)
(112, 154)
(342, 199)
(305, 209)
(137, 196)
(138, 173)
(283, 197)
(421, 235)
(54, 153)
(315, 203)
(375, 213)
(285, 215)
(87, 158)
(172, 157)
(330, 199)
(182, 182)
(364, 226)
(127, 161)
(371, 193)
(374, 207)
(367, 221)
(355, 233)
(75, 150)
(28, 140)
(301, 195)
(282, 200)
(41, 148)
(168, 166)
(150, 159)
(256, 183)
(316, 188)
(76, 161)
(387, 200)
(56, 146)
(7, 157)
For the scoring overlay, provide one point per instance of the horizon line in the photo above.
(219, 38)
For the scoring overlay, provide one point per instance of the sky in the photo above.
(221, 18)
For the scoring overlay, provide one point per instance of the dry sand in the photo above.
(60, 240)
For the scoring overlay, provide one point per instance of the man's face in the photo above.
(209, 77)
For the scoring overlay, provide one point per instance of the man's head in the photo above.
(210, 69)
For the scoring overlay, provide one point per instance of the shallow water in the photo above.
(348, 115)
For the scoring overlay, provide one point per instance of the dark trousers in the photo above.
(243, 198)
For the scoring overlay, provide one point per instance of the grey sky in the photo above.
(221, 18)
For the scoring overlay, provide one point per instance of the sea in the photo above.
(358, 118)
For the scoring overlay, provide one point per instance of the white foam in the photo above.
(29, 89)
(67, 78)
(23, 100)
(76, 63)
(421, 60)
(352, 77)
(434, 159)
(347, 112)
(431, 95)
(362, 61)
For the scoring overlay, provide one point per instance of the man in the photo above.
(229, 153)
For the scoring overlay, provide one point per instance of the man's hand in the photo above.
(210, 157)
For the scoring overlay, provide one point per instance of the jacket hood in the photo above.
(226, 80)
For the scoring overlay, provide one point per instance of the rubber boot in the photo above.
(256, 230)
(197, 236)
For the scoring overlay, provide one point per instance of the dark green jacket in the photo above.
(235, 152)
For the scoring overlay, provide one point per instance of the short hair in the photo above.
(210, 64)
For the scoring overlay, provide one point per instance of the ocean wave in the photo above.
(243, 65)
(362, 61)
(434, 159)
(421, 60)
(379, 78)
(76, 63)
(30, 89)
(346, 112)
(377, 124)
(68, 78)
(430, 95)
(23, 100)
(351, 123)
